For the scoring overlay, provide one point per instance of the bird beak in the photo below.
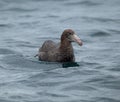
(76, 39)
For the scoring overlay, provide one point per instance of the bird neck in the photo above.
(66, 46)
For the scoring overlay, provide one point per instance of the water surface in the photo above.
(26, 24)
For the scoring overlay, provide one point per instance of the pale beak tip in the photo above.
(77, 40)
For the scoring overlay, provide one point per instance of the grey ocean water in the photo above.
(26, 24)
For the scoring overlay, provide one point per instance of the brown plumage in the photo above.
(61, 52)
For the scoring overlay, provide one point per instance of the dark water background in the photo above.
(26, 24)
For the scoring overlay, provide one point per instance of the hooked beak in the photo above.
(76, 39)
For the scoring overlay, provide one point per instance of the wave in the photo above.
(100, 34)
(86, 3)
(6, 51)
(105, 99)
(17, 9)
(6, 25)
(100, 19)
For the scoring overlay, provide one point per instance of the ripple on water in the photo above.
(105, 99)
(106, 81)
(19, 61)
(4, 51)
(5, 26)
(6, 100)
(100, 34)
(84, 3)
(114, 31)
(17, 9)
(100, 20)
(52, 94)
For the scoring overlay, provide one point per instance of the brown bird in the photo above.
(61, 52)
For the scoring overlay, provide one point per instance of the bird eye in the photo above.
(70, 33)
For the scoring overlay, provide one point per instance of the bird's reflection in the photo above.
(70, 64)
